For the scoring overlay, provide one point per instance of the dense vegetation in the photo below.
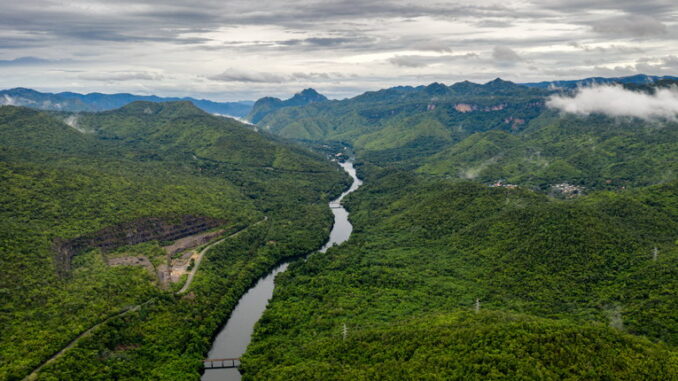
(595, 152)
(565, 289)
(566, 269)
(147, 159)
(496, 131)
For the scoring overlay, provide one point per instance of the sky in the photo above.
(235, 50)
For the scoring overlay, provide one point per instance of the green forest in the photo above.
(144, 160)
(495, 238)
(456, 280)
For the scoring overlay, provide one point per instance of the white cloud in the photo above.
(616, 101)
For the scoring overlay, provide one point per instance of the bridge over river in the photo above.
(221, 363)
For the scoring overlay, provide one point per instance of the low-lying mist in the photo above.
(614, 100)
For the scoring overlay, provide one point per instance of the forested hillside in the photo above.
(449, 280)
(66, 176)
(496, 239)
(498, 131)
(595, 152)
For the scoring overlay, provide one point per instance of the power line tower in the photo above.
(477, 307)
(344, 331)
(655, 254)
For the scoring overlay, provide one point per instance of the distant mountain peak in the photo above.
(499, 81)
(309, 95)
(267, 105)
(309, 92)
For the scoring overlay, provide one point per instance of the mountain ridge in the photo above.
(92, 102)
(267, 105)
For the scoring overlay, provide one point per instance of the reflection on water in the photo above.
(233, 339)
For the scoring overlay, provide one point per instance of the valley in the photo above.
(495, 237)
(325, 190)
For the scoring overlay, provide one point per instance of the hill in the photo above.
(385, 120)
(596, 152)
(490, 132)
(551, 280)
(121, 184)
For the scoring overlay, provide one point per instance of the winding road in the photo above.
(189, 280)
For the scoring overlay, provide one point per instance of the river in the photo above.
(232, 340)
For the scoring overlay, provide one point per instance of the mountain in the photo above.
(381, 122)
(456, 280)
(639, 79)
(81, 192)
(490, 132)
(596, 152)
(494, 237)
(267, 105)
(68, 101)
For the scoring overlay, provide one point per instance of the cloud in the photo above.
(275, 49)
(250, 76)
(30, 61)
(239, 75)
(122, 76)
(505, 55)
(6, 100)
(618, 102)
(668, 64)
(635, 26)
(410, 61)
(414, 61)
(23, 61)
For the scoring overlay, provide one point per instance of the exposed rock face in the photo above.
(131, 233)
(191, 242)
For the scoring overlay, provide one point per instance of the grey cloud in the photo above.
(122, 76)
(656, 8)
(636, 26)
(166, 19)
(250, 76)
(410, 61)
(24, 61)
(238, 75)
(665, 65)
(505, 55)
(312, 40)
(612, 48)
(326, 42)
(414, 61)
(494, 23)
